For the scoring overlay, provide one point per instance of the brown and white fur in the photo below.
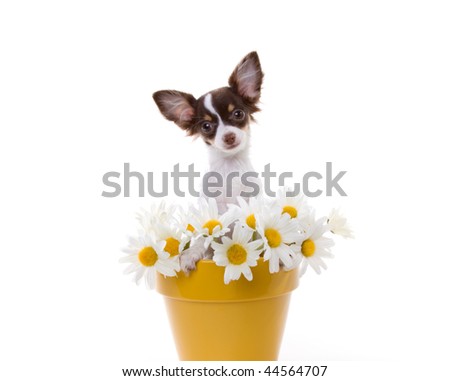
(222, 118)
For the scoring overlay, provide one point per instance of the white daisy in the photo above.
(313, 248)
(146, 256)
(295, 206)
(159, 213)
(246, 212)
(338, 224)
(185, 221)
(278, 232)
(209, 223)
(237, 254)
(174, 238)
(162, 223)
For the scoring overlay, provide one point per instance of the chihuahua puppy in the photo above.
(222, 119)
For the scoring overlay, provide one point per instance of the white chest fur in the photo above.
(231, 169)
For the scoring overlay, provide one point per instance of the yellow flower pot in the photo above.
(239, 321)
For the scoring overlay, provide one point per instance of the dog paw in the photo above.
(187, 263)
(190, 257)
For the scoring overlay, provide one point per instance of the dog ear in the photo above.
(246, 79)
(176, 106)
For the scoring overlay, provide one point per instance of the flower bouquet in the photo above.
(257, 251)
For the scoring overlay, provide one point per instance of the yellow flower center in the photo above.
(273, 237)
(147, 256)
(290, 210)
(251, 221)
(211, 224)
(190, 228)
(308, 247)
(236, 254)
(172, 246)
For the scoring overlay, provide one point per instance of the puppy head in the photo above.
(222, 116)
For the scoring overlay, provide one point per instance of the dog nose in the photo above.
(230, 138)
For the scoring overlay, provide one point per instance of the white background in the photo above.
(362, 84)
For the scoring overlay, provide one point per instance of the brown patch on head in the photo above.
(229, 109)
(226, 103)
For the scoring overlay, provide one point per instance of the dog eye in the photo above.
(206, 127)
(238, 114)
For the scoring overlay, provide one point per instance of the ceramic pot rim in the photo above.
(206, 284)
